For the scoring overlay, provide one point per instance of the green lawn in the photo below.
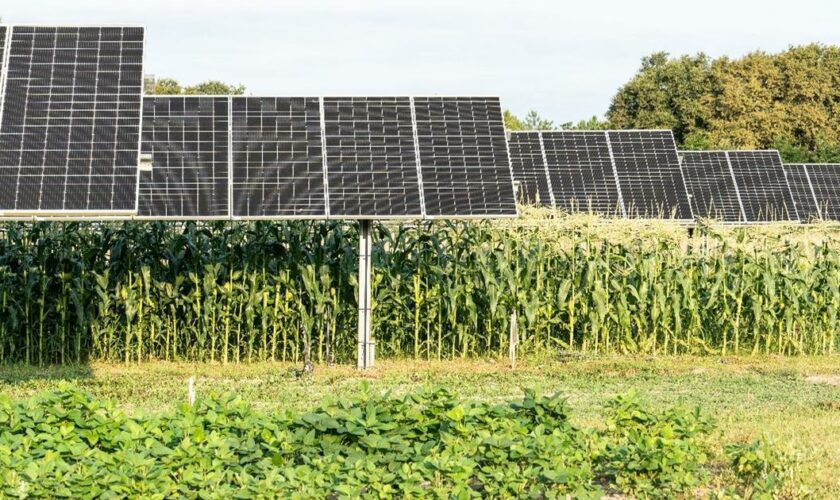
(794, 401)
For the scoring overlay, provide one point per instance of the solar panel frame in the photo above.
(699, 162)
(631, 181)
(426, 122)
(5, 39)
(80, 214)
(750, 192)
(225, 164)
(530, 168)
(804, 197)
(824, 180)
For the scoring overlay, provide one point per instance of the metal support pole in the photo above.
(366, 344)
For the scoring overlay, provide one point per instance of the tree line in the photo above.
(788, 101)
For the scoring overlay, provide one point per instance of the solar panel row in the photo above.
(70, 138)
(379, 157)
(630, 173)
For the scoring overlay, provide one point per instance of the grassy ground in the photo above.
(793, 401)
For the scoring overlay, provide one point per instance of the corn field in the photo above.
(242, 292)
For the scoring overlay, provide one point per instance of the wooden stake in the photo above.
(514, 340)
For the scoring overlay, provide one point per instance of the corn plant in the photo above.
(241, 292)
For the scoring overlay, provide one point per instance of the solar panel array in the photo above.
(71, 109)
(70, 131)
(365, 150)
(762, 186)
(632, 173)
(711, 185)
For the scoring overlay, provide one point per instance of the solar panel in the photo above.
(187, 137)
(370, 156)
(277, 157)
(649, 176)
(70, 132)
(711, 185)
(761, 183)
(825, 181)
(803, 195)
(581, 171)
(464, 159)
(529, 169)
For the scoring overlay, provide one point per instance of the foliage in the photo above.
(424, 444)
(532, 121)
(512, 122)
(593, 123)
(759, 101)
(170, 86)
(243, 292)
(654, 454)
(666, 93)
(763, 470)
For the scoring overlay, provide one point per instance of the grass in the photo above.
(795, 401)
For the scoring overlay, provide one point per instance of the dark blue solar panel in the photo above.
(278, 165)
(761, 183)
(187, 137)
(529, 169)
(70, 132)
(825, 182)
(649, 175)
(463, 157)
(711, 185)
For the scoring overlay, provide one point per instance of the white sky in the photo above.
(564, 59)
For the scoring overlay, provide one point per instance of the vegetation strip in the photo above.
(424, 444)
(267, 291)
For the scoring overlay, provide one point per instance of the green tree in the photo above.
(532, 121)
(165, 86)
(666, 93)
(214, 87)
(170, 86)
(789, 101)
(593, 123)
(512, 122)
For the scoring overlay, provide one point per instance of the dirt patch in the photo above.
(824, 379)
